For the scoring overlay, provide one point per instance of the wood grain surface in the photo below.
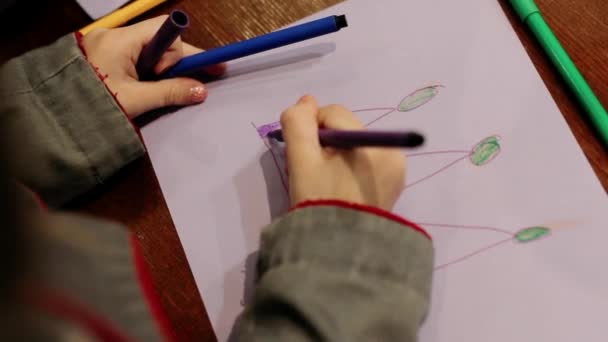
(133, 196)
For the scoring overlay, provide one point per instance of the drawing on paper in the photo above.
(481, 154)
(524, 235)
(264, 130)
(485, 151)
(276, 156)
(531, 234)
(410, 102)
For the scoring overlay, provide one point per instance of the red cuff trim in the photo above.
(41, 203)
(102, 77)
(365, 208)
(66, 308)
(145, 282)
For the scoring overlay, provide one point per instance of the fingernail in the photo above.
(198, 94)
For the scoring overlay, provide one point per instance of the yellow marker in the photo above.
(122, 15)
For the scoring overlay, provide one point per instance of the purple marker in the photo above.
(349, 139)
(166, 35)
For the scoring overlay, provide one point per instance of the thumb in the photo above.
(146, 96)
(301, 133)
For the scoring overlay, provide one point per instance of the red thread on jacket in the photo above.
(365, 208)
(41, 203)
(145, 282)
(79, 36)
(59, 305)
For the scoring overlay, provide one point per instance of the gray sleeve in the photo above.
(68, 132)
(335, 274)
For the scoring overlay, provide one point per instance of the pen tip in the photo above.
(415, 139)
(276, 134)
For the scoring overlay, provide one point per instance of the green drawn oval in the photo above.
(418, 98)
(531, 234)
(485, 151)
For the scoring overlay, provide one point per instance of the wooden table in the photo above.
(134, 197)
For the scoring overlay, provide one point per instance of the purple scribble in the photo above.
(274, 157)
(263, 130)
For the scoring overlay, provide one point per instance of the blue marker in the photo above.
(258, 44)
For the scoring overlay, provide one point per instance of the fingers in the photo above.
(301, 134)
(301, 131)
(179, 91)
(338, 117)
(214, 70)
(140, 34)
(143, 31)
(173, 54)
(190, 50)
(301, 124)
(179, 50)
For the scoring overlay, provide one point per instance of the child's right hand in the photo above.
(369, 176)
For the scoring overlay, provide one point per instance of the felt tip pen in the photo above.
(356, 138)
(168, 32)
(259, 44)
(122, 15)
(531, 16)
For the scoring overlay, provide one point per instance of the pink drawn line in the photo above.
(274, 158)
(373, 109)
(455, 226)
(436, 172)
(387, 109)
(461, 259)
(380, 117)
(409, 155)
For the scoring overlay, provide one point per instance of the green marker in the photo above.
(531, 16)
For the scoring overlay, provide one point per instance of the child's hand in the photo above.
(115, 53)
(370, 176)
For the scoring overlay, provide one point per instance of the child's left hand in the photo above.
(115, 53)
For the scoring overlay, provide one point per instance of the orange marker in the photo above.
(122, 15)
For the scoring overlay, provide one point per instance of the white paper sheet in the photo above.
(221, 183)
(98, 8)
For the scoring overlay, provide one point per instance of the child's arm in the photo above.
(66, 103)
(334, 273)
(68, 133)
(339, 267)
